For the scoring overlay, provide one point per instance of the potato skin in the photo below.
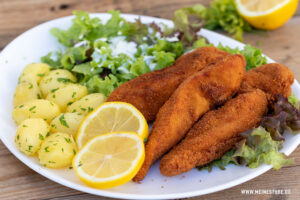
(56, 79)
(67, 95)
(30, 135)
(57, 150)
(67, 123)
(38, 108)
(87, 103)
(26, 91)
(34, 72)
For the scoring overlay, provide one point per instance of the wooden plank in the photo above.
(17, 181)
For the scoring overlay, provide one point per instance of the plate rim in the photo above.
(258, 171)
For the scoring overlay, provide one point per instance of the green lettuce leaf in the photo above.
(221, 163)
(104, 86)
(52, 59)
(139, 67)
(260, 148)
(87, 69)
(83, 26)
(73, 56)
(223, 14)
(294, 100)
(163, 59)
(252, 55)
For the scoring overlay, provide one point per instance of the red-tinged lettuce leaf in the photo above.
(262, 145)
(283, 116)
(188, 23)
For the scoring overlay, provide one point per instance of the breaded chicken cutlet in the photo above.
(212, 86)
(272, 78)
(215, 134)
(150, 91)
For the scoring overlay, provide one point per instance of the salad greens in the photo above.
(252, 55)
(262, 144)
(221, 14)
(105, 55)
(294, 101)
(259, 148)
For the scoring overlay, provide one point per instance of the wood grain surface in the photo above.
(17, 181)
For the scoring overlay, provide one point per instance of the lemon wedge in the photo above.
(267, 14)
(112, 117)
(110, 159)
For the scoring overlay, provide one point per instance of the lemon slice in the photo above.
(267, 14)
(112, 117)
(110, 159)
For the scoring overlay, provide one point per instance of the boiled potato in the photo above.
(67, 95)
(87, 103)
(30, 135)
(57, 150)
(56, 79)
(26, 91)
(67, 123)
(34, 72)
(38, 108)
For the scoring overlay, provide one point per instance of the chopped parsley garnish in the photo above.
(48, 134)
(64, 80)
(73, 95)
(38, 96)
(24, 125)
(74, 151)
(32, 108)
(90, 109)
(41, 75)
(53, 90)
(83, 109)
(21, 106)
(68, 140)
(46, 149)
(41, 136)
(63, 121)
(30, 86)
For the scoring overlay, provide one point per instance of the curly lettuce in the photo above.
(253, 56)
(259, 148)
(221, 14)
(262, 144)
(95, 50)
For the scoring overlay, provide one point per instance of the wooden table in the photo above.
(17, 181)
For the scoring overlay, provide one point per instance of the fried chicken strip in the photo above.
(150, 91)
(212, 86)
(271, 78)
(216, 133)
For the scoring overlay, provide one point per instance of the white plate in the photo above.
(37, 42)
